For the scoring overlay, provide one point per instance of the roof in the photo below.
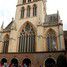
(8, 27)
(52, 18)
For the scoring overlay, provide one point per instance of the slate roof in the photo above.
(8, 27)
(52, 18)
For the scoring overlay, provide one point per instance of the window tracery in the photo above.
(27, 39)
(51, 40)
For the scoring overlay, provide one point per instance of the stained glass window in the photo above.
(51, 40)
(27, 39)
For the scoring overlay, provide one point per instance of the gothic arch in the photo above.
(6, 43)
(50, 29)
(28, 10)
(24, 1)
(51, 40)
(14, 62)
(61, 61)
(22, 12)
(34, 10)
(29, 1)
(27, 38)
(50, 62)
(6, 36)
(26, 62)
(3, 62)
(23, 25)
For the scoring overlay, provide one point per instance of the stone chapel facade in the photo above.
(33, 37)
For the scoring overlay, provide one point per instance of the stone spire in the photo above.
(2, 26)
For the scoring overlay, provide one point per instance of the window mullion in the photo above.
(28, 44)
(23, 43)
(20, 44)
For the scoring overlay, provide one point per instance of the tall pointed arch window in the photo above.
(34, 10)
(51, 40)
(6, 43)
(29, 1)
(24, 1)
(27, 39)
(22, 12)
(28, 11)
(35, 0)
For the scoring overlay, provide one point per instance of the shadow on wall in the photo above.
(61, 62)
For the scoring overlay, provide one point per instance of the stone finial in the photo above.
(58, 17)
(57, 12)
(2, 26)
(12, 19)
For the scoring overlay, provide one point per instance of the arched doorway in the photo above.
(3, 62)
(61, 61)
(50, 62)
(27, 38)
(14, 63)
(26, 62)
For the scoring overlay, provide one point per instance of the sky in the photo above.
(8, 10)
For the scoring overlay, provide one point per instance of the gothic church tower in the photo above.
(33, 39)
(33, 13)
(33, 30)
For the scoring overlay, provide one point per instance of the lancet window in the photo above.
(29, 1)
(28, 11)
(24, 1)
(22, 12)
(51, 40)
(34, 10)
(6, 43)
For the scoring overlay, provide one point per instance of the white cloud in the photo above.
(54, 5)
(8, 9)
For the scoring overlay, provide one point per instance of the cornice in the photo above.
(27, 3)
